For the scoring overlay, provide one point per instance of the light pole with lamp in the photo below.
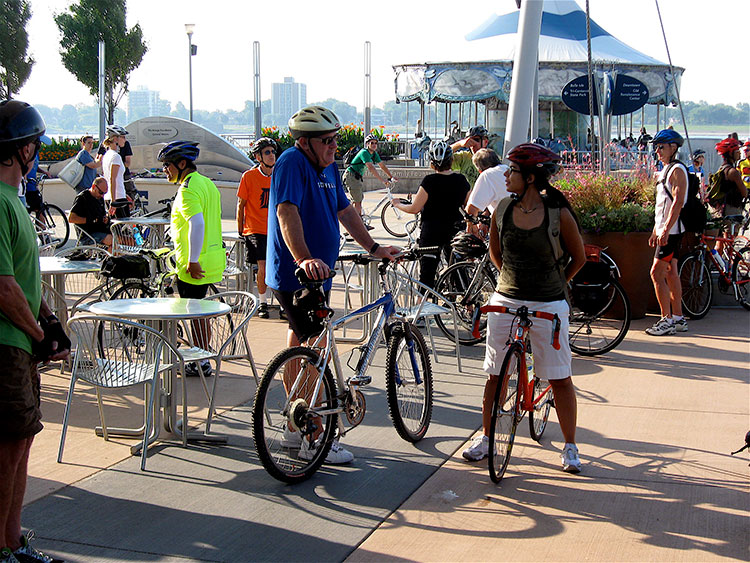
(192, 50)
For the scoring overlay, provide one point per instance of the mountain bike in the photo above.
(50, 222)
(299, 400)
(519, 390)
(732, 266)
(600, 309)
(396, 222)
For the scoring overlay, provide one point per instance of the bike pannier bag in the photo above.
(590, 288)
(126, 267)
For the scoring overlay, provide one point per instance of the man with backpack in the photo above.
(671, 196)
(353, 175)
(726, 188)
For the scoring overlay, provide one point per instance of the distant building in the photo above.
(145, 103)
(288, 96)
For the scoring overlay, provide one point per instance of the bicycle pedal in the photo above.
(360, 380)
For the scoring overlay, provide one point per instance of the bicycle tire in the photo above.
(539, 415)
(409, 402)
(453, 284)
(129, 290)
(697, 286)
(394, 221)
(271, 418)
(504, 419)
(741, 277)
(55, 219)
(595, 334)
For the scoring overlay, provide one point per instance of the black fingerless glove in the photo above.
(40, 350)
(55, 333)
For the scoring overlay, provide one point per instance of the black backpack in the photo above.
(693, 214)
(350, 154)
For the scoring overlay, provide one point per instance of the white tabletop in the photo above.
(160, 308)
(155, 220)
(51, 265)
(231, 235)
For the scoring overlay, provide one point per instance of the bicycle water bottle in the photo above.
(719, 259)
(137, 236)
(530, 366)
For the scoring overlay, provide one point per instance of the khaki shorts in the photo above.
(355, 187)
(548, 362)
(20, 415)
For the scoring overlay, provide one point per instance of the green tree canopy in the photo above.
(82, 27)
(15, 66)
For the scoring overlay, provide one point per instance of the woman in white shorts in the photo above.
(530, 275)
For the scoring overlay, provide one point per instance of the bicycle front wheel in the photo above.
(394, 221)
(455, 284)
(55, 221)
(596, 333)
(505, 413)
(741, 276)
(281, 422)
(408, 377)
(540, 413)
(697, 287)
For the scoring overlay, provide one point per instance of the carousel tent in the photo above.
(562, 57)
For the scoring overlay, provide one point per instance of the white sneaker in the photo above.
(664, 326)
(681, 325)
(291, 439)
(479, 449)
(336, 456)
(570, 461)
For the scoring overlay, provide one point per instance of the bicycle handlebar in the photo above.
(523, 312)
(483, 219)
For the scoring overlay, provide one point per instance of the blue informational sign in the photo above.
(626, 95)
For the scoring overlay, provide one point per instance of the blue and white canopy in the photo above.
(562, 57)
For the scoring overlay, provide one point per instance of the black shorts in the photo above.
(191, 290)
(255, 247)
(668, 252)
(20, 413)
(34, 200)
(296, 317)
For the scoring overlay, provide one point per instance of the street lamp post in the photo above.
(189, 28)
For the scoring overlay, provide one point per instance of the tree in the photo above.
(82, 27)
(15, 66)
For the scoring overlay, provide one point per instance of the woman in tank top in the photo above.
(530, 275)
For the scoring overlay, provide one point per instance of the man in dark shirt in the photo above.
(88, 212)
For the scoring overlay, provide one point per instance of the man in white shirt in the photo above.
(489, 188)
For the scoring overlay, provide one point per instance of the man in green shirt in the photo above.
(354, 175)
(23, 342)
(196, 232)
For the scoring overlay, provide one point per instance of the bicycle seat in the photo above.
(301, 275)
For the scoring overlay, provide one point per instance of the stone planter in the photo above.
(634, 257)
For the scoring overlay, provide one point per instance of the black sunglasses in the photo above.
(328, 140)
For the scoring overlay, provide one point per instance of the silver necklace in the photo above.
(527, 211)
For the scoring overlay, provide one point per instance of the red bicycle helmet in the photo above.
(528, 155)
(727, 146)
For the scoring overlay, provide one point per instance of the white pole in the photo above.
(256, 80)
(524, 69)
(102, 106)
(535, 106)
(368, 88)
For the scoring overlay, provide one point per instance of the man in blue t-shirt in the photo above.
(306, 204)
(89, 164)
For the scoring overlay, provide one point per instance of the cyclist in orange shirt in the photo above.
(252, 211)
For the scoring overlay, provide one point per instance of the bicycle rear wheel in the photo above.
(505, 410)
(408, 377)
(540, 413)
(54, 220)
(394, 221)
(454, 284)
(741, 277)
(596, 333)
(697, 287)
(281, 423)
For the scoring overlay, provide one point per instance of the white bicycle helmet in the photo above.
(115, 131)
(439, 152)
(313, 121)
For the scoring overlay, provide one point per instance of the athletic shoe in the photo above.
(337, 455)
(479, 449)
(263, 311)
(27, 554)
(370, 227)
(570, 461)
(191, 370)
(664, 326)
(291, 439)
(6, 556)
(681, 325)
(282, 314)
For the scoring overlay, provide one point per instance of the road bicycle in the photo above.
(732, 266)
(50, 222)
(396, 222)
(600, 311)
(298, 398)
(519, 389)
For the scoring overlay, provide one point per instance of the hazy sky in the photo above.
(320, 43)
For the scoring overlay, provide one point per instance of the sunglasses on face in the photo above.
(166, 165)
(328, 140)
(268, 152)
(516, 170)
(660, 147)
